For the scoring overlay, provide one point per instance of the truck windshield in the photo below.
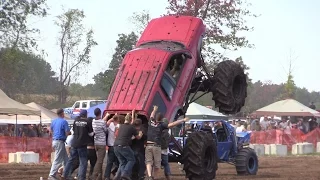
(166, 45)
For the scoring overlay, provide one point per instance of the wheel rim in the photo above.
(209, 159)
(237, 87)
(251, 163)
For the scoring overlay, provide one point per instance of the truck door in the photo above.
(224, 142)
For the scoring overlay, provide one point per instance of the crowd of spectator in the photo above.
(25, 130)
(305, 124)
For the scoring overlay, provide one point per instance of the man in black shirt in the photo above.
(82, 132)
(123, 150)
(138, 149)
(153, 148)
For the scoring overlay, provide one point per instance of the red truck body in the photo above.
(144, 78)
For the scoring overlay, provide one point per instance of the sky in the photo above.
(283, 28)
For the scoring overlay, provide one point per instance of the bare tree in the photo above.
(290, 86)
(74, 54)
(140, 20)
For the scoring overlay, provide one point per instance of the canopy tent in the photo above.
(287, 107)
(9, 106)
(102, 107)
(46, 116)
(198, 112)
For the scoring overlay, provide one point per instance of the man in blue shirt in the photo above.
(59, 130)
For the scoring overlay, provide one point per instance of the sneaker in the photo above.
(52, 178)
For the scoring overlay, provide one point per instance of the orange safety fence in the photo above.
(43, 145)
(22, 144)
(286, 138)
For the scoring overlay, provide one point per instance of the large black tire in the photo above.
(247, 162)
(200, 156)
(230, 87)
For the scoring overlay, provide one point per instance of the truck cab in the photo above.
(160, 70)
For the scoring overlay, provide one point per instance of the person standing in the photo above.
(123, 150)
(153, 148)
(164, 153)
(100, 130)
(92, 154)
(60, 130)
(82, 133)
(111, 156)
(138, 149)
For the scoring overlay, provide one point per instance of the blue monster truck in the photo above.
(204, 148)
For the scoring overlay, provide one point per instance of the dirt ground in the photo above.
(270, 168)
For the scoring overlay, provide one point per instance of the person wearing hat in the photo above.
(82, 133)
(153, 147)
(59, 130)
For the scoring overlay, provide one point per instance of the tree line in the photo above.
(24, 70)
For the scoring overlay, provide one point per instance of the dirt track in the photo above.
(271, 168)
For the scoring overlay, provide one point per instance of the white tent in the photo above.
(287, 107)
(12, 107)
(46, 116)
(198, 112)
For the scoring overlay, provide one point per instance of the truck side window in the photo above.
(157, 100)
(175, 65)
(84, 105)
(77, 105)
(167, 86)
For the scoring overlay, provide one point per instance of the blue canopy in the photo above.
(102, 107)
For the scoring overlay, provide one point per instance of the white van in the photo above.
(85, 104)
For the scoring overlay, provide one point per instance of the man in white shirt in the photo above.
(264, 124)
(111, 157)
(100, 129)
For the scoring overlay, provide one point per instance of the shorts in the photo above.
(153, 156)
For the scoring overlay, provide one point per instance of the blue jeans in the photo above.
(140, 165)
(165, 164)
(75, 153)
(60, 157)
(126, 158)
(111, 160)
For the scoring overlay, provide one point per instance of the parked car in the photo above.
(84, 104)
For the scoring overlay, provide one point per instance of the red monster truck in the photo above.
(166, 69)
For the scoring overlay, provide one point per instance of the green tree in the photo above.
(225, 20)
(289, 85)
(74, 54)
(14, 14)
(22, 72)
(125, 43)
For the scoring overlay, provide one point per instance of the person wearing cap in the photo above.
(153, 147)
(82, 133)
(59, 130)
